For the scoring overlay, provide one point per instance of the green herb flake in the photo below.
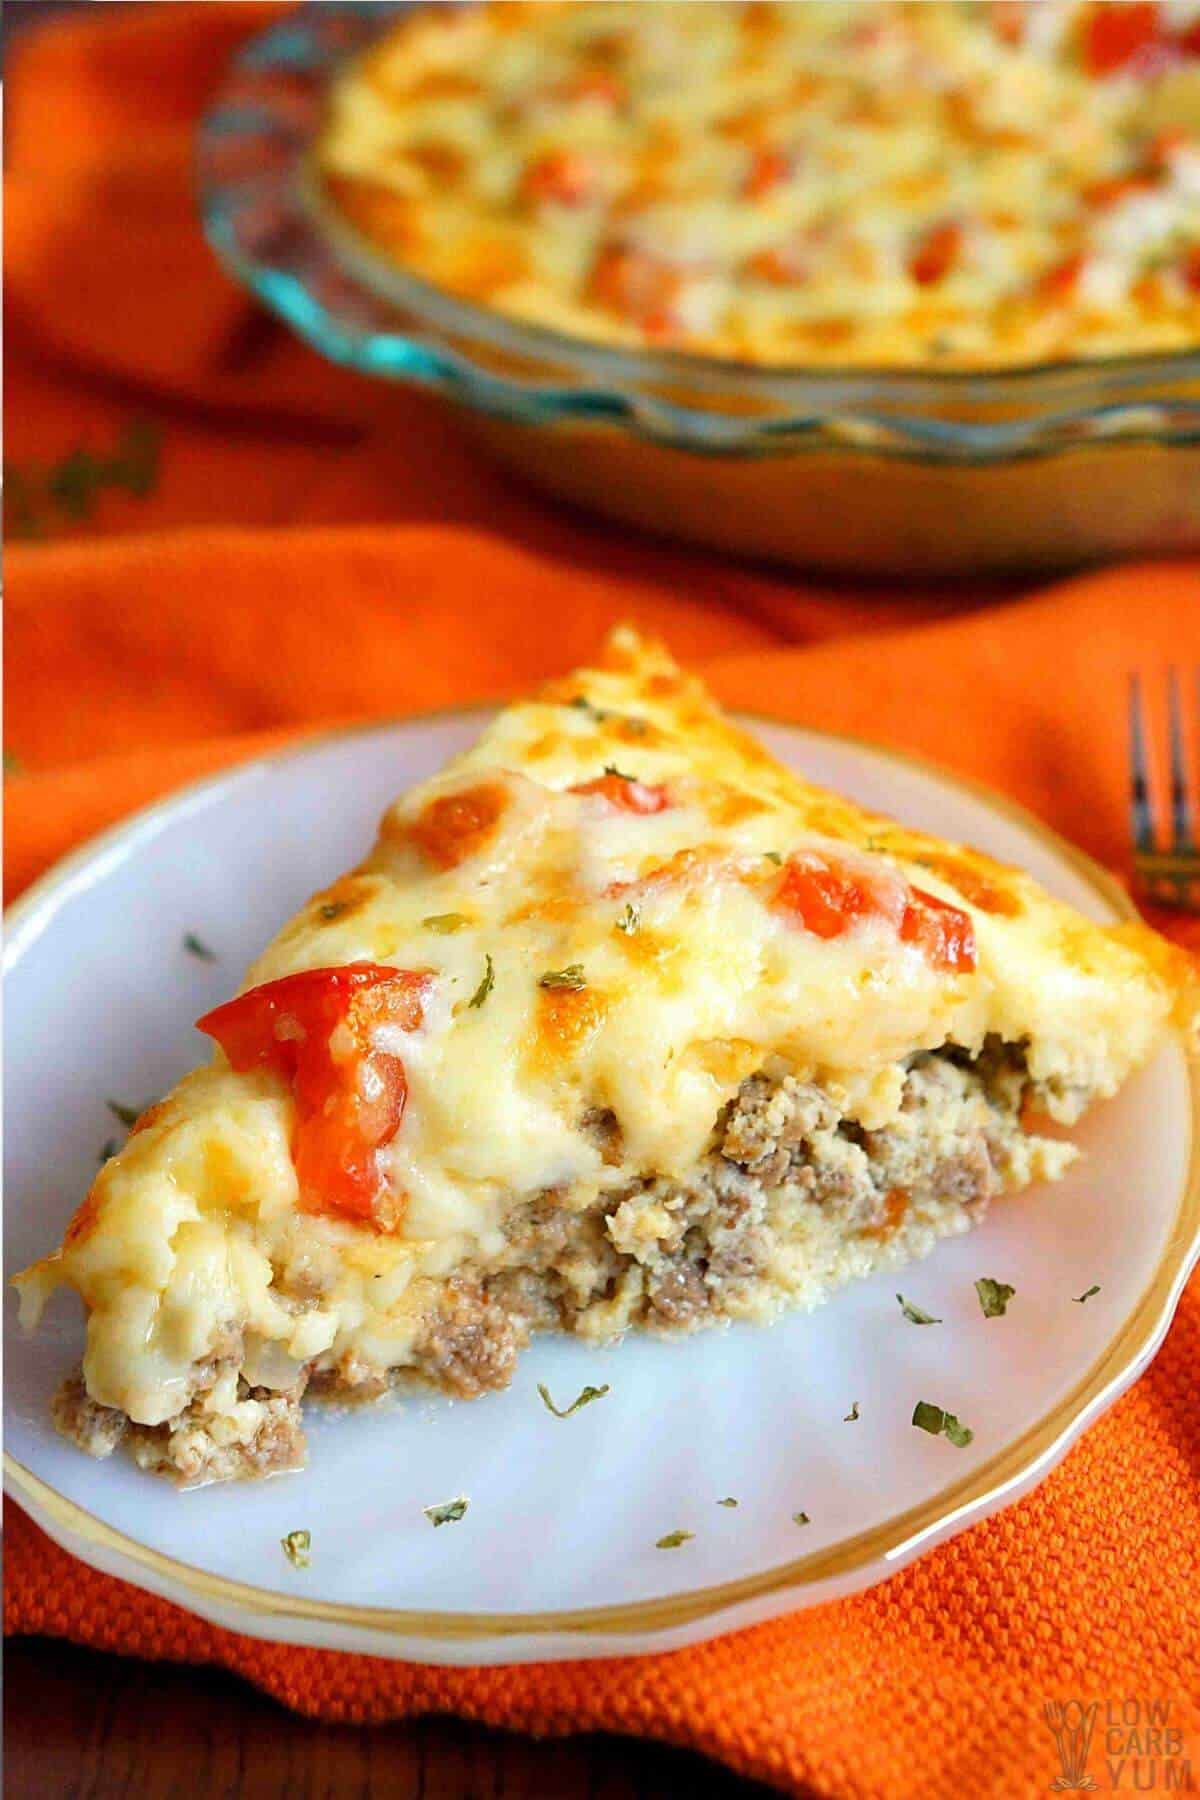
(486, 985)
(572, 978)
(197, 947)
(618, 774)
(108, 1149)
(584, 1398)
(448, 1513)
(296, 1547)
(445, 923)
(13, 764)
(994, 1296)
(916, 1314)
(939, 1423)
(801, 1519)
(1082, 1299)
(42, 499)
(629, 920)
(125, 1115)
(332, 909)
(774, 856)
(851, 1415)
(728, 1501)
(674, 1539)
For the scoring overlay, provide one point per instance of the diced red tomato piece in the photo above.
(1061, 281)
(1117, 188)
(565, 177)
(319, 1029)
(1113, 35)
(944, 932)
(936, 253)
(1187, 41)
(768, 168)
(639, 286)
(1191, 269)
(829, 898)
(624, 795)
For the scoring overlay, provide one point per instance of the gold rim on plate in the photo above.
(895, 1541)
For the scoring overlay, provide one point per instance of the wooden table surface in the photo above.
(82, 1726)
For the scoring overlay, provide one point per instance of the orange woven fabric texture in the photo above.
(376, 567)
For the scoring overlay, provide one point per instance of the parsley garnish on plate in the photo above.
(197, 947)
(572, 978)
(126, 1115)
(915, 1314)
(629, 920)
(773, 856)
(583, 1398)
(1080, 1299)
(296, 1547)
(994, 1296)
(108, 1149)
(448, 1513)
(939, 1423)
(801, 1519)
(612, 769)
(485, 986)
(728, 1501)
(673, 1540)
(445, 923)
(851, 1415)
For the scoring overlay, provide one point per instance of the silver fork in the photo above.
(1166, 872)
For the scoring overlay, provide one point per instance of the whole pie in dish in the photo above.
(815, 184)
(620, 1024)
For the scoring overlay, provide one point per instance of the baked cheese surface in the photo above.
(941, 184)
(593, 927)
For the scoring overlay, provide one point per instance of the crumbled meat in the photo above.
(952, 1139)
(471, 1343)
(670, 1253)
(194, 1449)
(768, 1124)
(351, 1381)
(677, 1294)
(95, 1428)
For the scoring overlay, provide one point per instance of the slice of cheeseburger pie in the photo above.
(619, 1024)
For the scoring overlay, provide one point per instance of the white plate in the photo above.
(556, 1556)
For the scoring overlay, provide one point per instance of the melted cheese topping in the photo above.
(807, 183)
(585, 959)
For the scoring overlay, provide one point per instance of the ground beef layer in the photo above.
(792, 1199)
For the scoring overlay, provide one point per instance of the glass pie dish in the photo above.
(855, 472)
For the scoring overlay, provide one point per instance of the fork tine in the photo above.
(1139, 785)
(1181, 811)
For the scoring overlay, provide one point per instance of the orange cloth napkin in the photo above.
(411, 575)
